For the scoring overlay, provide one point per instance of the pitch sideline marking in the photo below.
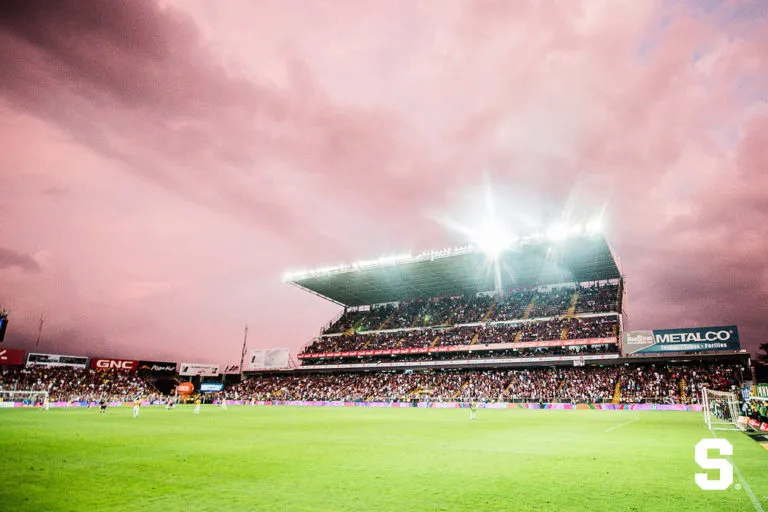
(743, 482)
(611, 429)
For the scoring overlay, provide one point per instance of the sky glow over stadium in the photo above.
(169, 172)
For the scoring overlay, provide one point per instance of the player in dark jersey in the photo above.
(103, 405)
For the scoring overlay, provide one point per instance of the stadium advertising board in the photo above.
(464, 348)
(206, 370)
(694, 339)
(211, 387)
(128, 365)
(270, 358)
(11, 356)
(162, 367)
(57, 360)
(185, 388)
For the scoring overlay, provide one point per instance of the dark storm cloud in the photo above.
(10, 259)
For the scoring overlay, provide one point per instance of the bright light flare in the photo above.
(558, 232)
(492, 237)
(595, 226)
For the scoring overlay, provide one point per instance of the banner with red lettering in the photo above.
(128, 365)
(11, 356)
(466, 348)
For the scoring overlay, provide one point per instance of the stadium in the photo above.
(460, 379)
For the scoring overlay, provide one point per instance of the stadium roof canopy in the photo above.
(462, 271)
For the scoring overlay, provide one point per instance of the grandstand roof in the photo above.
(461, 271)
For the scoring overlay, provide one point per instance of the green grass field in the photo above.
(363, 459)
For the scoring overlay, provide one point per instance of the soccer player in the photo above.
(136, 404)
(169, 405)
(103, 406)
(46, 404)
(473, 411)
(224, 403)
(197, 406)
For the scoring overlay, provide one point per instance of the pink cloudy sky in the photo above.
(163, 163)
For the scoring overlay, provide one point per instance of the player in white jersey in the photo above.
(46, 404)
(473, 411)
(224, 403)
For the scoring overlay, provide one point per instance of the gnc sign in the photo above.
(114, 364)
(185, 388)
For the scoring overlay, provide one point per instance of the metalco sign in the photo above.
(157, 367)
(694, 339)
(128, 365)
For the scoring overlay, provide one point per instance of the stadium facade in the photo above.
(540, 303)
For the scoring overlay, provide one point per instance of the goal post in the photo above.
(33, 397)
(721, 410)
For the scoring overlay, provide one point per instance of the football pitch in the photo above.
(365, 459)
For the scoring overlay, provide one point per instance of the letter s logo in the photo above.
(702, 459)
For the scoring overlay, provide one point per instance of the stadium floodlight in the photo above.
(492, 238)
(595, 226)
(558, 232)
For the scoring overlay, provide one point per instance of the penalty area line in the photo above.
(743, 482)
(611, 429)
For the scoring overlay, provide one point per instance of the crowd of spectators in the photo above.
(635, 383)
(480, 352)
(512, 305)
(564, 384)
(483, 334)
(675, 383)
(75, 384)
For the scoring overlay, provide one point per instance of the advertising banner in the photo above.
(694, 339)
(160, 367)
(57, 360)
(11, 356)
(128, 365)
(211, 387)
(185, 388)
(269, 358)
(206, 370)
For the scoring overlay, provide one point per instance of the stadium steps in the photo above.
(683, 396)
(518, 335)
(399, 343)
(489, 312)
(528, 309)
(370, 338)
(434, 341)
(560, 386)
(574, 301)
(474, 338)
(564, 334)
(617, 392)
(386, 321)
(461, 388)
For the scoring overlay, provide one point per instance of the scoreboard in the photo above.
(3, 325)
